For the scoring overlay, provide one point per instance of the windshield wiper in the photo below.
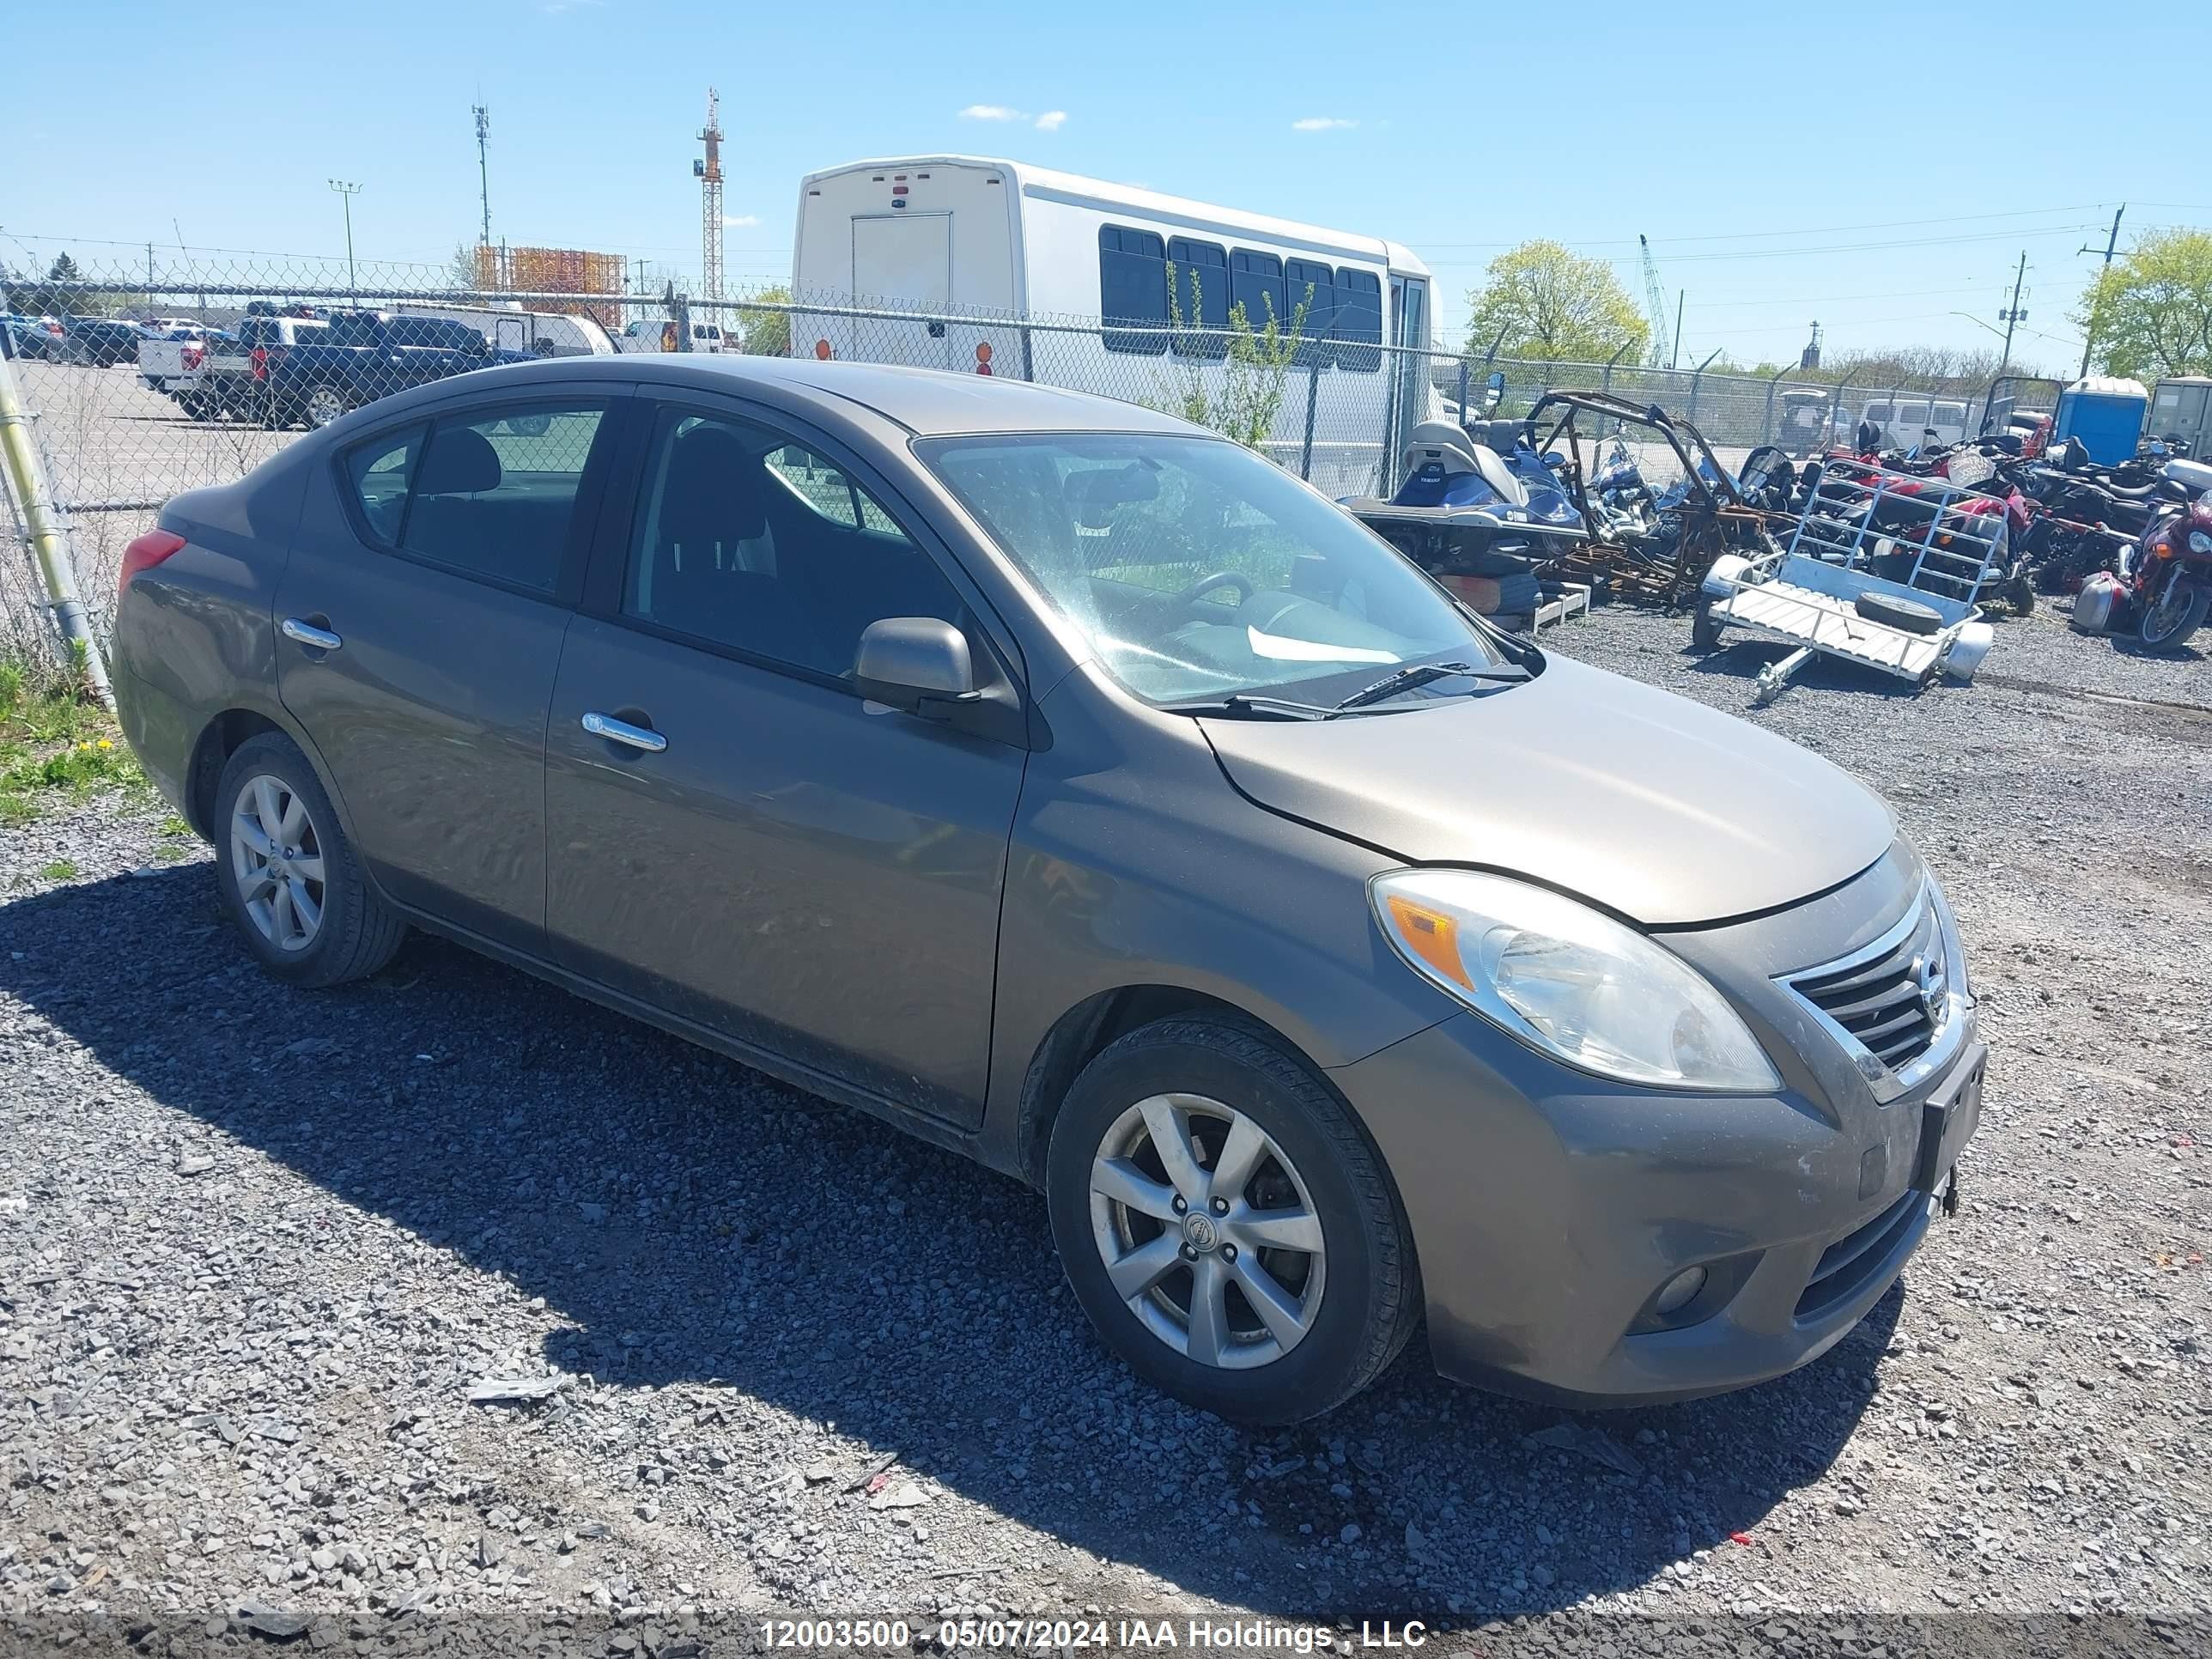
(1239, 703)
(1420, 674)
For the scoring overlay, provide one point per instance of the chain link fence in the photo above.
(147, 378)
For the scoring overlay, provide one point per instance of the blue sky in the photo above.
(1878, 168)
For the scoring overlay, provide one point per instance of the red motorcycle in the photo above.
(2168, 577)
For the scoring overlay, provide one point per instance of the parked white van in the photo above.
(1905, 423)
(1087, 268)
(659, 334)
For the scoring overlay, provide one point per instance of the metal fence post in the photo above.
(1313, 404)
(1695, 375)
(27, 479)
(1772, 386)
(1605, 380)
(679, 309)
(1463, 390)
(1836, 409)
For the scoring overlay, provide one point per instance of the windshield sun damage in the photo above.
(1199, 570)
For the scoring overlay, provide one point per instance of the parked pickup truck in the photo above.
(228, 374)
(175, 363)
(364, 356)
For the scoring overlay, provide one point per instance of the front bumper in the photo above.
(1549, 1209)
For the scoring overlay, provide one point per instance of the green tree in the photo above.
(1540, 302)
(34, 297)
(767, 333)
(2149, 315)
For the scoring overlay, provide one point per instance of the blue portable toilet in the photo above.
(2105, 414)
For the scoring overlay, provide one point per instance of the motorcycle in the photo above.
(2167, 576)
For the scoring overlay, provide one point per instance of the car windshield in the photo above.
(1197, 570)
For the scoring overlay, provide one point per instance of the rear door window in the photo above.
(488, 494)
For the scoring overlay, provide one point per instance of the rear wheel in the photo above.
(1226, 1225)
(322, 405)
(287, 875)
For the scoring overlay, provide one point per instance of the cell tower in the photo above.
(1655, 305)
(709, 173)
(1811, 356)
(483, 166)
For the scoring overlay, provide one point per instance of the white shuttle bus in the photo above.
(984, 239)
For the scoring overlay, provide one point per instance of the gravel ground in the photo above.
(257, 1246)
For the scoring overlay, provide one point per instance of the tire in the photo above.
(320, 404)
(355, 932)
(2167, 627)
(1359, 1295)
(1704, 632)
(1909, 616)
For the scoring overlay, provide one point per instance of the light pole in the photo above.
(346, 193)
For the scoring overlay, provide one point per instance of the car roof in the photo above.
(926, 402)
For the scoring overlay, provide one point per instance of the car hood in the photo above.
(1651, 806)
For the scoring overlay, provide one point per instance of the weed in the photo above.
(60, 870)
(56, 746)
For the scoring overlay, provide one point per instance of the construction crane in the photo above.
(1655, 306)
(710, 175)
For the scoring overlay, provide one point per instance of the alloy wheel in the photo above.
(277, 859)
(323, 406)
(1207, 1232)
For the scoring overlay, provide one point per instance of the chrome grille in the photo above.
(1889, 998)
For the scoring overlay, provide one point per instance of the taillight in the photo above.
(192, 356)
(143, 554)
(260, 358)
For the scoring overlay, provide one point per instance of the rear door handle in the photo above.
(621, 731)
(308, 634)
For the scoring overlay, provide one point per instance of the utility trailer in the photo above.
(1883, 569)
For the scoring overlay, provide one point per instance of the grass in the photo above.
(60, 870)
(58, 746)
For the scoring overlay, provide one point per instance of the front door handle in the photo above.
(308, 634)
(621, 731)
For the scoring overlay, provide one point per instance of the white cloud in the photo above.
(992, 112)
(1051, 120)
(1321, 124)
(741, 220)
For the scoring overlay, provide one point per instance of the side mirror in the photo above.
(917, 664)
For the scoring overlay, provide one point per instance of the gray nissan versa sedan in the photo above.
(1075, 788)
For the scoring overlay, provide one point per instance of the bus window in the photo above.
(1200, 275)
(1314, 286)
(1255, 282)
(1133, 287)
(1359, 320)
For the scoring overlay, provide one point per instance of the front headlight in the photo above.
(1566, 980)
(2199, 541)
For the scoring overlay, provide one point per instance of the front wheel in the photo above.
(1226, 1225)
(2176, 614)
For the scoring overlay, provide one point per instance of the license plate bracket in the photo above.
(1945, 1125)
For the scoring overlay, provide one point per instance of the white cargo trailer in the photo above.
(1010, 254)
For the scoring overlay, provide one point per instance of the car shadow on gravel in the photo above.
(694, 1226)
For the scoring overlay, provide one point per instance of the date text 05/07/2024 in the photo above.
(1061, 1635)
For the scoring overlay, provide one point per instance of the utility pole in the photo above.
(2089, 328)
(483, 168)
(346, 193)
(2011, 316)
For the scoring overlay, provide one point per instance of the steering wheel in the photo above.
(1205, 585)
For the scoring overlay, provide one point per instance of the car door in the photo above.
(756, 848)
(420, 620)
